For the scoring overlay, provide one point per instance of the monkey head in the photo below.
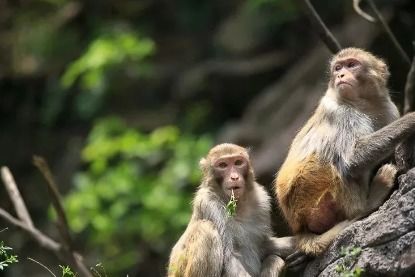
(357, 74)
(227, 167)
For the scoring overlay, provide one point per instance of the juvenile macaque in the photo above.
(219, 243)
(325, 182)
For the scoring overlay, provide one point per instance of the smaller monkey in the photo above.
(217, 244)
(324, 183)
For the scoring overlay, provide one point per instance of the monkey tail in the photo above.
(314, 244)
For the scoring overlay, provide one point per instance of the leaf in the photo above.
(232, 205)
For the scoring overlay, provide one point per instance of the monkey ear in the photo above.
(384, 71)
(203, 165)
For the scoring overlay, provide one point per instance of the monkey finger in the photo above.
(297, 260)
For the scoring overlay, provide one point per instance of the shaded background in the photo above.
(124, 97)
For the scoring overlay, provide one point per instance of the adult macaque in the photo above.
(216, 243)
(325, 182)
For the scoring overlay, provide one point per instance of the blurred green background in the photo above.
(124, 97)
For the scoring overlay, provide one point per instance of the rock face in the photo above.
(382, 244)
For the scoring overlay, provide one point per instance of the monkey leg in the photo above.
(272, 266)
(313, 244)
(381, 186)
(199, 254)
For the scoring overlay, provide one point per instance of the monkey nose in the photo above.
(234, 177)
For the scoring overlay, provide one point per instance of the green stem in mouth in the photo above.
(231, 206)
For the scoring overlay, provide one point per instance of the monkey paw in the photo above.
(386, 175)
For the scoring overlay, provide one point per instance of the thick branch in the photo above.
(325, 35)
(15, 196)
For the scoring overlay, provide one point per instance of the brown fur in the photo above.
(301, 194)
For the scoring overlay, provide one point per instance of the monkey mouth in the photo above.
(234, 188)
(343, 83)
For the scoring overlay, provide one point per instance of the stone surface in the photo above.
(386, 238)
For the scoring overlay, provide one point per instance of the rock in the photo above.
(382, 244)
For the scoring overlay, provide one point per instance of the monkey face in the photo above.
(231, 173)
(345, 74)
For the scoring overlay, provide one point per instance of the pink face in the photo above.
(231, 173)
(344, 76)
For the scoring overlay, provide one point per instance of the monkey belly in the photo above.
(324, 216)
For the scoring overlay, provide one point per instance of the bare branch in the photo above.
(359, 11)
(15, 196)
(388, 31)
(325, 35)
(63, 226)
(409, 104)
(63, 252)
(38, 236)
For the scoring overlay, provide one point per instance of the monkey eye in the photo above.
(352, 64)
(222, 165)
(337, 67)
(238, 162)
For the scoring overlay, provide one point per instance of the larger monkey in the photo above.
(325, 182)
(217, 244)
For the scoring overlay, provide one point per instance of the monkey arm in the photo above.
(282, 247)
(274, 249)
(380, 144)
(272, 266)
(207, 206)
(233, 267)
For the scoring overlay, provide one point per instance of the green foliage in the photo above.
(6, 258)
(231, 206)
(105, 53)
(346, 268)
(67, 271)
(136, 187)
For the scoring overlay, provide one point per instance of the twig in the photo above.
(63, 226)
(25, 223)
(325, 35)
(15, 196)
(388, 31)
(42, 265)
(359, 11)
(409, 103)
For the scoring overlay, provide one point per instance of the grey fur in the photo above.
(246, 247)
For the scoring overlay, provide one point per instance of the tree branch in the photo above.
(325, 35)
(43, 240)
(388, 31)
(54, 194)
(15, 196)
(359, 11)
(25, 223)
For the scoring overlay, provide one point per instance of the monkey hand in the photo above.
(297, 260)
